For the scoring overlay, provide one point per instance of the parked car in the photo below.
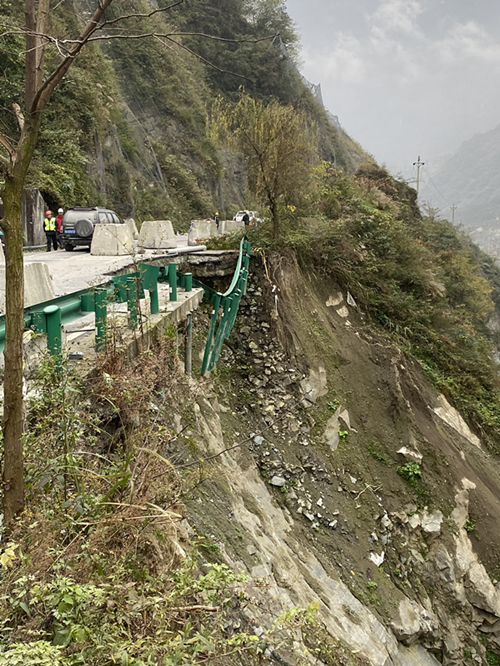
(251, 214)
(78, 225)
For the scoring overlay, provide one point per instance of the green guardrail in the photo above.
(49, 317)
(225, 309)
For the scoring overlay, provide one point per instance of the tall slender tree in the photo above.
(15, 160)
(279, 144)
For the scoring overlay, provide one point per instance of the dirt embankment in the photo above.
(399, 548)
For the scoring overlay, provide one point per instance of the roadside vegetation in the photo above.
(420, 281)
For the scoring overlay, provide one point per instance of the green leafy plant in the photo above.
(411, 472)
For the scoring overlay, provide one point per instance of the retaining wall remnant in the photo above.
(112, 240)
(38, 286)
(157, 235)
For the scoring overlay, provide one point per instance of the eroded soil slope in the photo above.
(340, 476)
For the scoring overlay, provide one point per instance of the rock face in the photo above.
(157, 235)
(111, 240)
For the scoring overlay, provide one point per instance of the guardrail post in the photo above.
(154, 302)
(54, 332)
(211, 330)
(172, 278)
(189, 345)
(101, 316)
(132, 302)
(188, 281)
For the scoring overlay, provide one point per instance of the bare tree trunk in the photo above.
(13, 482)
(274, 218)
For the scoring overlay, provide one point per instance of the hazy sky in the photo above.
(405, 77)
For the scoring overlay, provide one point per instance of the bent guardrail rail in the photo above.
(227, 305)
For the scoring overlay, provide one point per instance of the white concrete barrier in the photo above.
(130, 222)
(157, 235)
(200, 230)
(111, 240)
(38, 286)
(2, 254)
(230, 227)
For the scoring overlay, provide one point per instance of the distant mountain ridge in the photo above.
(470, 180)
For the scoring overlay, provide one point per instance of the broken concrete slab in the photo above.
(112, 240)
(157, 235)
(38, 286)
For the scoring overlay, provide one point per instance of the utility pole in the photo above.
(418, 164)
(453, 209)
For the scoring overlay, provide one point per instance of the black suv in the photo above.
(78, 225)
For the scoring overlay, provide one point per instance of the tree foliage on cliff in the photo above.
(279, 146)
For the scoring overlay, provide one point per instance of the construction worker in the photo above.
(217, 219)
(59, 221)
(50, 230)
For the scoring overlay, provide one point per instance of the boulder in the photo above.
(110, 240)
(431, 522)
(415, 622)
(157, 235)
(38, 286)
(410, 455)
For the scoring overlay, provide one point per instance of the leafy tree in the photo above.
(279, 146)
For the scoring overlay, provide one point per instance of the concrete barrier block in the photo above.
(111, 240)
(130, 222)
(230, 227)
(38, 286)
(157, 235)
(201, 229)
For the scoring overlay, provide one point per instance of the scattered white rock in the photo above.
(278, 481)
(386, 522)
(414, 521)
(320, 502)
(258, 440)
(350, 300)
(408, 454)
(316, 385)
(431, 523)
(343, 312)
(377, 560)
(335, 300)
(451, 416)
